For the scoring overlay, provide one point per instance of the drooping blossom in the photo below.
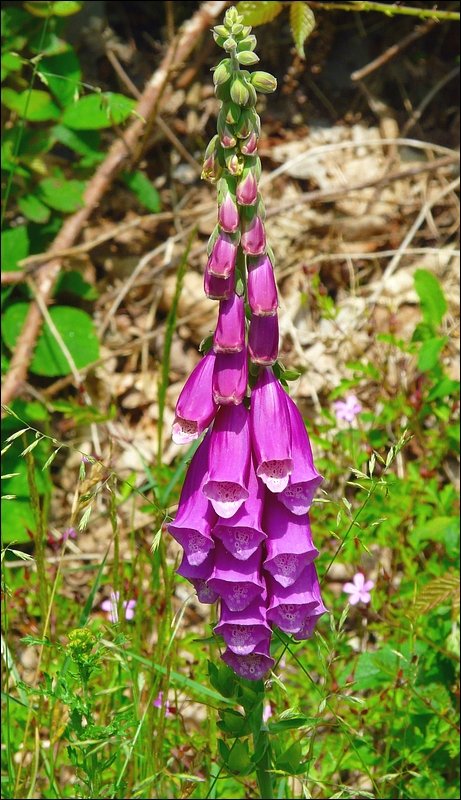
(110, 606)
(304, 479)
(270, 432)
(226, 485)
(347, 409)
(358, 589)
(195, 407)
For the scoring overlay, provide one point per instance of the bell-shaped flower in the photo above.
(290, 605)
(236, 582)
(221, 262)
(228, 215)
(255, 665)
(195, 408)
(229, 335)
(270, 432)
(198, 577)
(195, 516)
(304, 480)
(263, 340)
(244, 630)
(242, 534)
(289, 544)
(230, 377)
(253, 239)
(229, 460)
(217, 288)
(262, 289)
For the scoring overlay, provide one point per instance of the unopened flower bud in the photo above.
(212, 169)
(235, 164)
(226, 135)
(222, 72)
(239, 91)
(247, 43)
(229, 44)
(247, 58)
(223, 256)
(232, 113)
(264, 82)
(253, 236)
(263, 340)
(221, 30)
(250, 145)
(247, 188)
(228, 215)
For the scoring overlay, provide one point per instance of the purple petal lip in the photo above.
(289, 606)
(263, 340)
(198, 576)
(229, 460)
(270, 432)
(262, 289)
(243, 630)
(242, 534)
(195, 408)
(304, 480)
(253, 239)
(237, 582)
(230, 331)
(254, 666)
(230, 378)
(307, 628)
(221, 262)
(289, 544)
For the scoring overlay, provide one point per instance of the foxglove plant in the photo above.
(243, 513)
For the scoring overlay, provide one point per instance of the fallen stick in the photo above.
(117, 157)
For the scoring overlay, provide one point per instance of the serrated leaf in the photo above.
(258, 13)
(33, 105)
(438, 591)
(100, 110)
(302, 23)
(432, 299)
(76, 329)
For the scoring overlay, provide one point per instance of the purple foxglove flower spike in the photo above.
(229, 335)
(228, 215)
(263, 340)
(244, 630)
(254, 666)
(237, 582)
(247, 189)
(289, 544)
(195, 517)
(217, 288)
(304, 480)
(262, 290)
(195, 408)
(198, 576)
(270, 432)
(230, 377)
(221, 262)
(290, 605)
(253, 239)
(229, 460)
(242, 534)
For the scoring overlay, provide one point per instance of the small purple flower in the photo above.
(304, 480)
(359, 590)
(347, 409)
(289, 544)
(290, 605)
(110, 606)
(263, 340)
(262, 290)
(195, 408)
(230, 378)
(254, 666)
(221, 262)
(253, 239)
(69, 533)
(237, 582)
(243, 630)
(267, 712)
(229, 460)
(158, 703)
(195, 517)
(228, 215)
(242, 534)
(229, 335)
(270, 432)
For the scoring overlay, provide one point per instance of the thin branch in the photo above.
(394, 51)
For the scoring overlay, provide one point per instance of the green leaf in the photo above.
(238, 760)
(233, 723)
(258, 13)
(33, 208)
(15, 247)
(429, 354)
(11, 62)
(288, 721)
(290, 760)
(375, 669)
(33, 105)
(62, 75)
(63, 8)
(75, 328)
(101, 110)
(61, 194)
(17, 519)
(443, 388)
(73, 283)
(302, 23)
(144, 190)
(431, 297)
(86, 143)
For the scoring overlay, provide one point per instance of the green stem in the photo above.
(263, 775)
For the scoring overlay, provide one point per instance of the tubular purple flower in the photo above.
(198, 577)
(254, 666)
(228, 215)
(289, 606)
(247, 189)
(236, 582)
(195, 517)
(229, 335)
(230, 377)
(221, 262)
(270, 432)
(217, 288)
(262, 289)
(244, 630)
(253, 239)
(289, 544)
(263, 340)
(229, 460)
(304, 480)
(195, 408)
(242, 534)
